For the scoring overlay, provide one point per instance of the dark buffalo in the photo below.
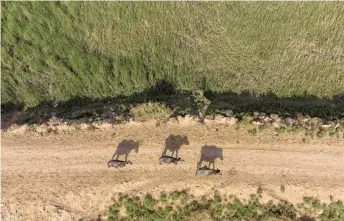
(118, 163)
(168, 160)
(206, 171)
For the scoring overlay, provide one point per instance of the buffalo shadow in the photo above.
(173, 143)
(209, 154)
(124, 148)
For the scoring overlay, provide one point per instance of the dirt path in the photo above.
(65, 176)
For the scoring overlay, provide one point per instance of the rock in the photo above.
(330, 123)
(276, 124)
(78, 121)
(108, 114)
(83, 126)
(63, 127)
(279, 120)
(106, 125)
(219, 117)
(267, 120)
(315, 121)
(95, 125)
(255, 114)
(231, 120)
(110, 121)
(257, 123)
(209, 117)
(188, 117)
(127, 117)
(54, 121)
(262, 116)
(304, 119)
(326, 126)
(76, 114)
(179, 119)
(290, 121)
(42, 128)
(223, 120)
(274, 117)
(229, 113)
(172, 120)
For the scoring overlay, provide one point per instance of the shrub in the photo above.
(172, 209)
(150, 110)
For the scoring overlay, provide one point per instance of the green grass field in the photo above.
(57, 51)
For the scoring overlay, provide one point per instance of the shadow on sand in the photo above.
(124, 148)
(209, 154)
(173, 144)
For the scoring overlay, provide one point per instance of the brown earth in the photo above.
(65, 176)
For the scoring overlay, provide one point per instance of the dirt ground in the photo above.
(65, 176)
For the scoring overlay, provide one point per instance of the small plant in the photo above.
(92, 127)
(201, 103)
(332, 132)
(281, 129)
(52, 131)
(322, 134)
(150, 110)
(175, 195)
(297, 129)
(262, 127)
(120, 118)
(77, 126)
(163, 197)
(259, 190)
(149, 203)
(253, 131)
(310, 206)
(246, 119)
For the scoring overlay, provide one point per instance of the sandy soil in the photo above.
(65, 176)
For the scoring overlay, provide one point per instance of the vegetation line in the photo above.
(180, 205)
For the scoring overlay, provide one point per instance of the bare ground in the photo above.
(65, 176)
